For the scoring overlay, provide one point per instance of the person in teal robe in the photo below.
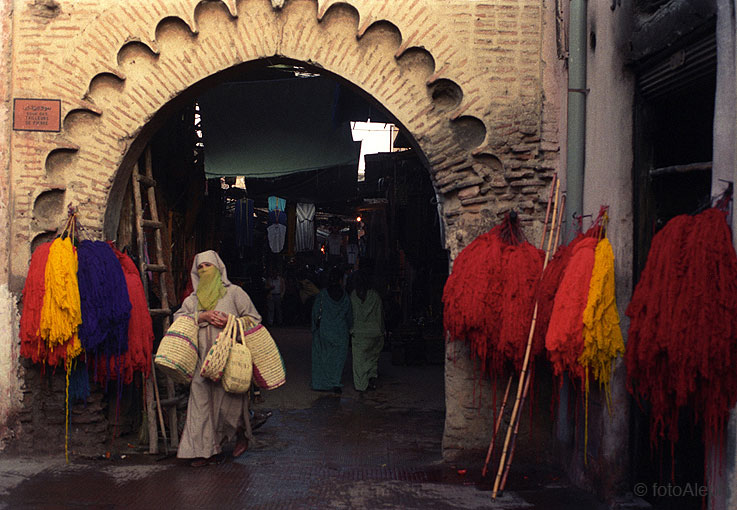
(368, 333)
(331, 323)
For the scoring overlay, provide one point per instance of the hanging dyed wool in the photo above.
(602, 337)
(104, 298)
(521, 268)
(489, 297)
(32, 345)
(140, 329)
(79, 382)
(547, 288)
(564, 338)
(61, 311)
(473, 293)
(681, 348)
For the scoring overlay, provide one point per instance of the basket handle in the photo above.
(238, 336)
(230, 326)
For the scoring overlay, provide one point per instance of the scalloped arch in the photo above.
(172, 49)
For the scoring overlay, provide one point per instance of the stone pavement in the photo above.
(380, 449)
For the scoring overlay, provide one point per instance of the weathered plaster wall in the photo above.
(607, 181)
(723, 481)
(10, 379)
(464, 78)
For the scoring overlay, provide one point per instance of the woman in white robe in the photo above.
(214, 415)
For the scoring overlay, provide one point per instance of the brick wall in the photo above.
(464, 78)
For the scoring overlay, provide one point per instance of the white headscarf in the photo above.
(214, 259)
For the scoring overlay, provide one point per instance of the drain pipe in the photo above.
(576, 112)
(576, 145)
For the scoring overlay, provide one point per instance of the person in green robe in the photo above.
(368, 333)
(331, 323)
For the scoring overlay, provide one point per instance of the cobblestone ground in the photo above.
(379, 450)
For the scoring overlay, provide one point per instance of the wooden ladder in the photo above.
(161, 266)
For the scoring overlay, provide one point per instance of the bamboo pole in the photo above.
(509, 383)
(514, 439)
(527, 383)
(526, 360)
(496, 427)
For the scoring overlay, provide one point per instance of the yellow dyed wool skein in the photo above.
(602, 335)
(61, 313)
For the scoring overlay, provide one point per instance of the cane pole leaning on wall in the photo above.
(527, 383)
(526, 360)
(496, 427)
(498, 422)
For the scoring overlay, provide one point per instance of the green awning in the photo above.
(271, 128)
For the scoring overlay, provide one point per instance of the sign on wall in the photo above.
(36, 114)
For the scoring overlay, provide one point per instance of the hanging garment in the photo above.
(335, 241)
(305, 227)
(276, 233)
(244, 223)
(351, 252)
(291, 229)
(277, 204)
(279, 217)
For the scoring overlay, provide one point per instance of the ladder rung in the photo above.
(166, 402)
(146, 181)
(157, 268)
(150, 224)
(159, 311)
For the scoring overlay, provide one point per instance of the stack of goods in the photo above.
(490, 295)
(682, 338)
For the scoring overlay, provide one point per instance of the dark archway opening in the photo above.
(397, 240)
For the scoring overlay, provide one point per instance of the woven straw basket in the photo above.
(214, 363)
(177, 354)
(239, 368)
(268, 366)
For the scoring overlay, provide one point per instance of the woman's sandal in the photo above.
(240, 447)
(202, 462)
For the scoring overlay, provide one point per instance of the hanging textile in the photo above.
(140, 329)
(489, 296)
(32, 345)
(681, 348)
(291, 229)
(104, 297)
(276, 233)
(244, 224)
(277, 204)
(602, 336)
(521, 270)
(61, 313)
(564, 338)
(305, 227)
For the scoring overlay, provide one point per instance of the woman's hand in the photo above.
(217, 319)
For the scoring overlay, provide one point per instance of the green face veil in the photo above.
(210, 289)
(209, 282)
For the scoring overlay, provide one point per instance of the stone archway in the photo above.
(474, 110)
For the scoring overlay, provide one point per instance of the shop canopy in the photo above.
(272, 128)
